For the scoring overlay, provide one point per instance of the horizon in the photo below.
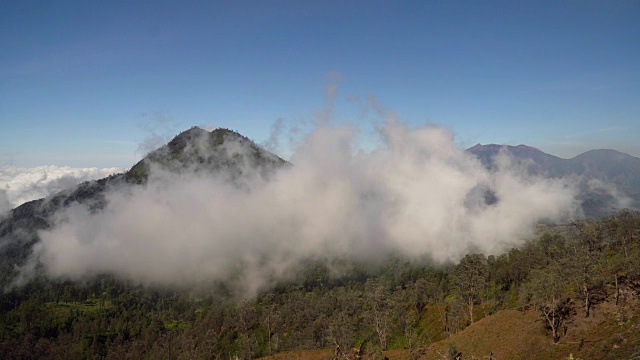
(91, 85)
(22, 184)
(157, 142)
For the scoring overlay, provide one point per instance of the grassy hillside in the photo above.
(611, 332)
(509, 334)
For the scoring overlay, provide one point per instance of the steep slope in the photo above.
(610, 333)
(197, 150)
(19, 227)
(488, 336)
(220, 152)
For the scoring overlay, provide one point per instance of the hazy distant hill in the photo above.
(538, 162)
(608, 167)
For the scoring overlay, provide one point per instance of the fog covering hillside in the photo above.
(212, 247)
(193, 151)
(214, 204)
(573, 291)
(608, 180)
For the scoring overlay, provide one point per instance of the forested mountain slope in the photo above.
(220, 151)
(573, 290)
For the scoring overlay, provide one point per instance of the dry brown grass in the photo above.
(611, 332)
(509, 334)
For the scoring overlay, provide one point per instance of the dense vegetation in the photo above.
(563, 274)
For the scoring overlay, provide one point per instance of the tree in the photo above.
(586, 261)
(269, 318)
(455, 314)
(469, 279)
(623, 252)
(403, 314)
(427, 289)
(376, 293)
(551, 247)
(345, 319)
(246, 316)
(547, 290)
(622, 229)
(342, 331)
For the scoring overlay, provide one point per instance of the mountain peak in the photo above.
(186, 137)
(527, 147)
(196, 149)
(496, 147)
(481, 148)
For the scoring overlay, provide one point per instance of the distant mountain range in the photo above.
(608, 179)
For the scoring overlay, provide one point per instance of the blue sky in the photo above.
(83, 83)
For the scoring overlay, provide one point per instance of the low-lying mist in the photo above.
(20, 185)
(414, 194)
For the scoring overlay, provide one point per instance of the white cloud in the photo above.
(416, 194)
(5, 205)
(19, 185)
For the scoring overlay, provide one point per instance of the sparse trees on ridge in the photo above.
(469, 280)
(547, 290)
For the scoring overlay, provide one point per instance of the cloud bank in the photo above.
(414, 194)
(19, 185)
